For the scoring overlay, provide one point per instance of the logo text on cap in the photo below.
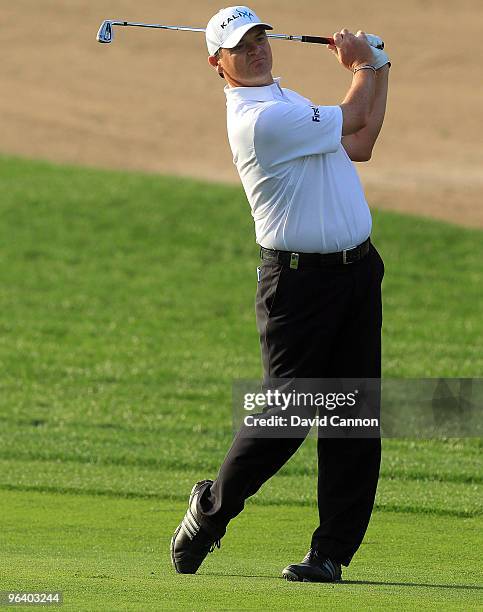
(236, 16)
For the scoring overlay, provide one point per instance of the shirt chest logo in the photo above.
(316, 116)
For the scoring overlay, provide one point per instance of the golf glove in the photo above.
(375, 41)
(380, 57)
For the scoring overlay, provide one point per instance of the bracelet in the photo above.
(365, 67)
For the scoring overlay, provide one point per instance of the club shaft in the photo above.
(321, 40)
(157, 25)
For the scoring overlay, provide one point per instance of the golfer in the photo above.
(318, 305)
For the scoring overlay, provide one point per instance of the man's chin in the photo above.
(262, 79)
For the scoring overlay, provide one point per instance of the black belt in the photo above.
(316, 260)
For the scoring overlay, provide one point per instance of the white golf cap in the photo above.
(229, 25)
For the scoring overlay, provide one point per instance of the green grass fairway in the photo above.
(126, 312)
(111, 553)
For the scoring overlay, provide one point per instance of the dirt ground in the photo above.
(150, 102)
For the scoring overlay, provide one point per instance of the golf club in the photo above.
(106, 33)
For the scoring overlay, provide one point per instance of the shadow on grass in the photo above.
(362, 582)
(415, 584)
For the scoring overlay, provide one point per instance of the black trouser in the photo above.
(314, 323)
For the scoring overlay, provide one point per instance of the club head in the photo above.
(105, 33)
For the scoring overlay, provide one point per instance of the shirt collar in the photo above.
(254, 94)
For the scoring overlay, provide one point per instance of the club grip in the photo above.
(320, 40)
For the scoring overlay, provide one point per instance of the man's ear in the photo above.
(214, 62)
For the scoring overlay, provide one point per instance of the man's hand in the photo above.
(379, 56)
(351, 50)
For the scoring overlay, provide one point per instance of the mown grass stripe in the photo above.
(157, 465)
(409, 509)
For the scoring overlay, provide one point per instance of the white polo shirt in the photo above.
(303, 189)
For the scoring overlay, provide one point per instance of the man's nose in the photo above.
(253, 48)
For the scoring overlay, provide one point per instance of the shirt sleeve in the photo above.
(284, 132)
